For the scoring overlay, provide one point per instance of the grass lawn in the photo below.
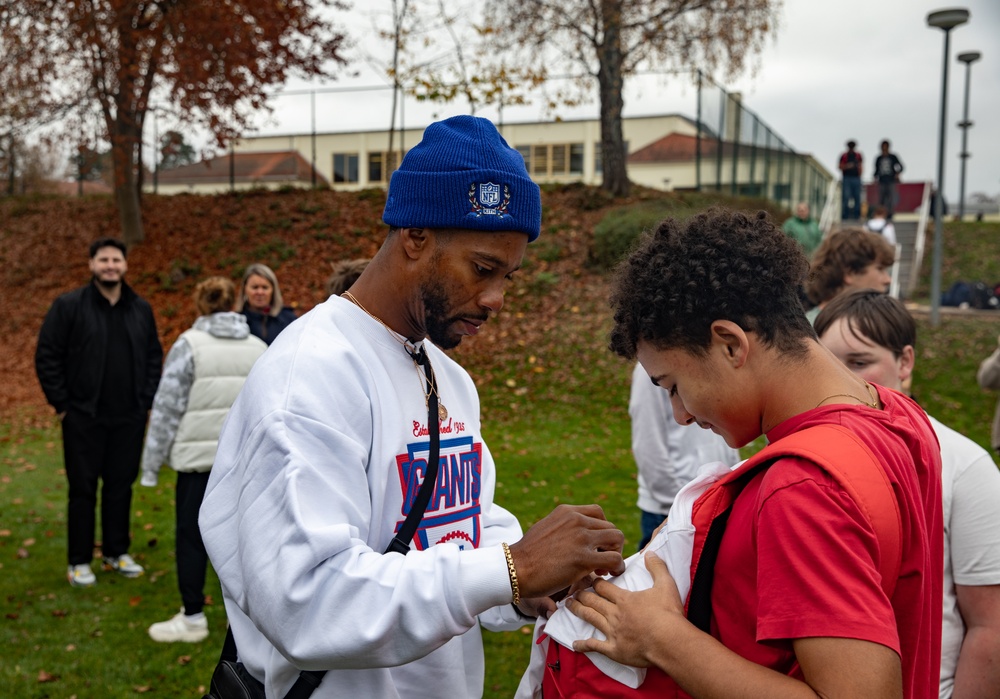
(555, 417)
(557, 436)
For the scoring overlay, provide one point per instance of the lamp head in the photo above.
(948, 19)
(969, 57)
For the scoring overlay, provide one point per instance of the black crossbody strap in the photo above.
(228, 646)
(308, 680)
(401, 542)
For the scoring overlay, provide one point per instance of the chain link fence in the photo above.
(738, 153)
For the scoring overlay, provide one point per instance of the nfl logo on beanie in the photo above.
(463, 174)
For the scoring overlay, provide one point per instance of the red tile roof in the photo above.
(676, 147)
(265, 166)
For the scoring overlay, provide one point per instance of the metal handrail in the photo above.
(894, 284)
(918, 244)
(831, 210)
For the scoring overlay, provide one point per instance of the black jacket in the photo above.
(69, 359)
(266, 326)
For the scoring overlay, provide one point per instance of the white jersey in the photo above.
(970, 487)
(317, 465)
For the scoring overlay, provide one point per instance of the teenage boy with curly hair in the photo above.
(798, 607)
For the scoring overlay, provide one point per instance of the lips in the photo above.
(471, 327)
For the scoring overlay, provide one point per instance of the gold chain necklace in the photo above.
(411, 349)
(871, 393)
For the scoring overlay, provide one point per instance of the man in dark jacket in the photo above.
(98, 360)
(887, 169)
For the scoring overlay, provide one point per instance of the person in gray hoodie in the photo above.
(203, 373)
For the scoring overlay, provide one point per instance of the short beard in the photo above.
(108, 285)
(436, 316)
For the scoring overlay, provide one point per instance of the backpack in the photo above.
(983, 297)
(572, 674)
(958, 293)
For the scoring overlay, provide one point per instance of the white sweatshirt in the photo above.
(328, 434)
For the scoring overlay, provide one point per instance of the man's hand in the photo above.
(537, 607)
(570, 543)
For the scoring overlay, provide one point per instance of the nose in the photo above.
(681, 415)
(492, 298)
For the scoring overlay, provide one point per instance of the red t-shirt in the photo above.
(798, 559)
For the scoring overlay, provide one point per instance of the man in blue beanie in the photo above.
(351, 409)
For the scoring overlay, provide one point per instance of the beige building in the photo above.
(664, 152)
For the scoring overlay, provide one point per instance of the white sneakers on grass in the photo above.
(81, 575)
(123, 565)
(188, 629)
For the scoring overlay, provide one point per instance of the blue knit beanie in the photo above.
(464, 175)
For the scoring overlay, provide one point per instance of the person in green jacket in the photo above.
(803, 228)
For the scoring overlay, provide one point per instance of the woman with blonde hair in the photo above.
(260, 301)
(203, 373)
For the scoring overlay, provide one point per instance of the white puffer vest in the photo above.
(221, 366)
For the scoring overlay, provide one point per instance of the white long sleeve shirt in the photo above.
(324, 444)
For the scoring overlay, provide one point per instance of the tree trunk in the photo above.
(610, 81)
(124, 144)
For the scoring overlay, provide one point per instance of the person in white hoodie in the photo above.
(882, 224)
(325, 449)
(203, 373)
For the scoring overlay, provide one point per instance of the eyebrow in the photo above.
(495, 261)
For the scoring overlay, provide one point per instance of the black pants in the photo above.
(192, 559)
(106, 450)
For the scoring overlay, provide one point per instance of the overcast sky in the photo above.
(852, 69)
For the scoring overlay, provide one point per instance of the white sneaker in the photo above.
(180, 628)
(81, 575)
(124, 565)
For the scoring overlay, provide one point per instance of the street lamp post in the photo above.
(968, 58)
(945, 20)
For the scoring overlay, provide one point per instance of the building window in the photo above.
(539, 161)
(576, 158)
(548, 159)
(382, 164)
(782, 192)
(345, 167)
(525, 152)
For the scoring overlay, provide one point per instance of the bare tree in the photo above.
(610, 40)
(399, 16)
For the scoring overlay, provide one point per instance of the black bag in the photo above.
(231, 680)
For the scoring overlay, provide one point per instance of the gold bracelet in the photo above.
(512, 573)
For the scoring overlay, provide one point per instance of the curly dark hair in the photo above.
(720, 265)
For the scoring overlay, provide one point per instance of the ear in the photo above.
(415, 241)
(730, 338)
(907, 359)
